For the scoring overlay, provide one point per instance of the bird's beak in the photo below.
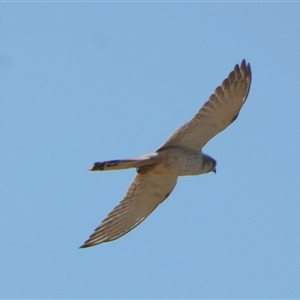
(214, 170)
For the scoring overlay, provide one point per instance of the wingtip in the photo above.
(249, 70)
(85, 245)
(88, 245)
(248, 74)
(243, 65)
(245, 69)
(246, 66)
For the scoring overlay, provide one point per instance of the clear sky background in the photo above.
(84, 82)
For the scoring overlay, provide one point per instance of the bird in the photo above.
(180, 155)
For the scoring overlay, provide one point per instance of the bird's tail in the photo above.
(121, 164)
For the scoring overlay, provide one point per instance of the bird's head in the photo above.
(209, 164)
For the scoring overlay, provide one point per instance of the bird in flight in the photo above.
(180, 155)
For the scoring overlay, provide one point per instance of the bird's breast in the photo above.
(179, 162)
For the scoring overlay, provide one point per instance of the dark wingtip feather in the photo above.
(248, 74)
(249, 70)
(86, 244)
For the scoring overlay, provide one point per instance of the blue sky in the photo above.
(84, 82)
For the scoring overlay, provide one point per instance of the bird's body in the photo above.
(177, 161)
(180, 161)
(180, 155)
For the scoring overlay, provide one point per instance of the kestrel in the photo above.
(180, 155)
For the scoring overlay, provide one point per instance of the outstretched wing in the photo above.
(145, 193)
(221, 109)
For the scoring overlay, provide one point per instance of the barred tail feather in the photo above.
(120, 164)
